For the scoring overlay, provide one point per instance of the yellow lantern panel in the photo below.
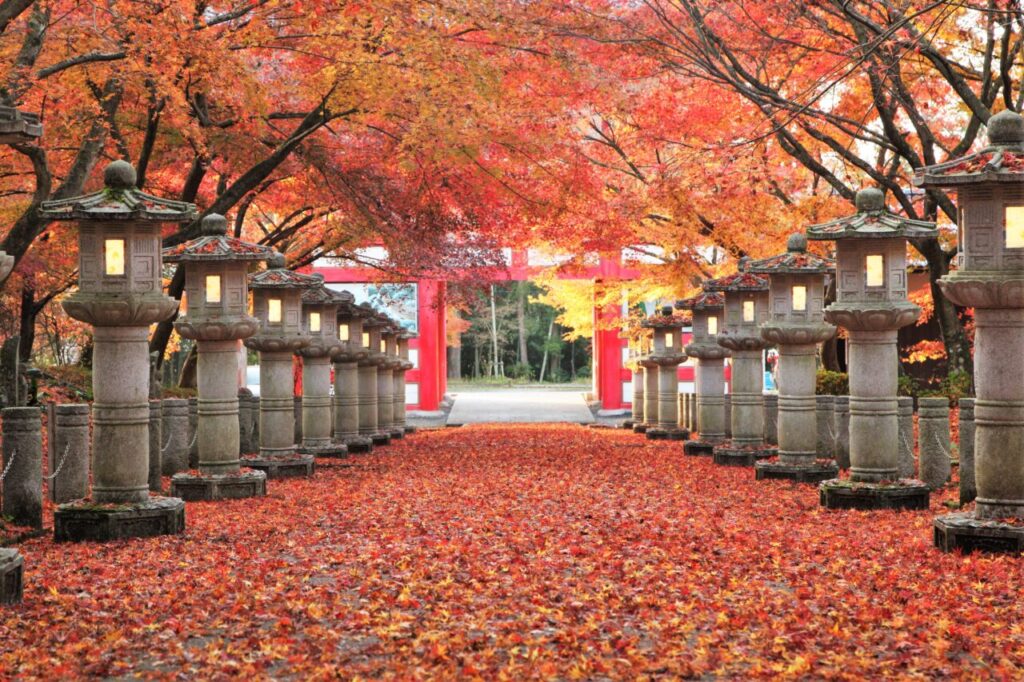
(314, 322)
(1014, 227)
(669, 340)
(343, 332)
(113, 257)
(712, 325)
(874, 266)
(213, 288)
(274, 310)
(748, 311)
(799, 298)
(366, 339)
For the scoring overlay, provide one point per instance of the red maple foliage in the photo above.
(514, 553)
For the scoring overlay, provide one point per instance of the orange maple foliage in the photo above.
(499, 552)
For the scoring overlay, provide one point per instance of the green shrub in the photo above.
(832, 383)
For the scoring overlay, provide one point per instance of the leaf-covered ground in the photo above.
(515, 552)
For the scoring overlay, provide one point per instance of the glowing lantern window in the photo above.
(1015, 227)
(799, 298)
(748, 311)
(314, 322)
(366, 339)
(383, 346)
(213, 288)
(274, 310)
(669, 340)
(343, 332)
(874, 265)
(713, 325)
(113, 256)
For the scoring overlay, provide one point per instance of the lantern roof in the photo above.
(703, 300)
(871, 221)
(738, 281)
(1001, 161)
(213, 244)
(370, 316)
(407, 334)
(119, 200)
(664, 317)
(795, 261)
(18, 126)
(322, 296)
(277, 276)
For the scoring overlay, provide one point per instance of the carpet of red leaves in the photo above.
(521, 552)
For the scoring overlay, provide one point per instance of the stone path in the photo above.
(519, 406)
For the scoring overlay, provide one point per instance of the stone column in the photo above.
(841, 418)
(682, 410)
(747, 406)
(193, 433)
(69, 452)
(650, 396)
(277, 405)
(177, 436)
(254, 415)
(23, 461)
(905, 415)
(692, 426)
(825, 416)
(155, 446)
(218, 431)
(637, 406)
(710, 400)
(346, 407)
(399, 395)
(386, 399)
(934, 441)
(368, 404)
(968, 490)
(771, 418)
(667, 425)
(317, 417)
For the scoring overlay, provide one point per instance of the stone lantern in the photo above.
(871, 304)
(369, 414)
(17, 127)
(665, 356)
(649, 380)
(346, 359)
(707, 308)
(797, 301)
(404, 337)
(746, 309)
(217, 296)
(990, 278)
(390, 364)
(120, 293)
(320, 314)
(277, 304)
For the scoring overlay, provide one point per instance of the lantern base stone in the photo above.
(102, 522)
(12, 566)
(357, 444)
(291, 466)
(967, 533)
(409, 429)
(845, 494)
(210, 487)
(640, 428)
(329, 450)
(396, 433)
(727, 455)
(812, 472)
(659, 433)
(381, 438)
(700, 447)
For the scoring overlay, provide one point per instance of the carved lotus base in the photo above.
(872, 317)
(974, 289)
(277, 344)
(320, 349)
(797, 334)
(119, 309)
(740, 341)
(706, 351)
(217, 329)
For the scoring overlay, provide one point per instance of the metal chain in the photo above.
(14, 453)
(167, 444)
(67, 449)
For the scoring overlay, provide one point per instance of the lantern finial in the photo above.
(797, 243)
(276, 261)
(870, 199)
(1006, 128)
(214, 224)
(119, 175)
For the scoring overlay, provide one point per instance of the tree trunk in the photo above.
(27, 326)
(494, 334)
(521, 321)
(544, 362)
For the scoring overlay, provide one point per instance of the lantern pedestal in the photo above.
(637, 405)
(667, 426)
(316, 408)
(710, 373)
(812, 472)
(386, 400)
(346, 405)
(11, 569)
(368, 413)
(747, 445)
(278, 456)
(968, 533)
(210, 487)
(650, 381)
(102, 522)
(847, 494)
(399, 409)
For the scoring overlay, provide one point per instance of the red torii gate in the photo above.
(427, 382)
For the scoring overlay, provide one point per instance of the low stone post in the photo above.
(824, 412)
(68, 452)
(193, 430)
(841, 418)
(968, 489)
(771, 418)
(905, 412)
(177, 436)
(23, 461)
(694, 413)
(156, 443)
(11, 570)
(683, 411)
(245, 442)
(934, 441)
